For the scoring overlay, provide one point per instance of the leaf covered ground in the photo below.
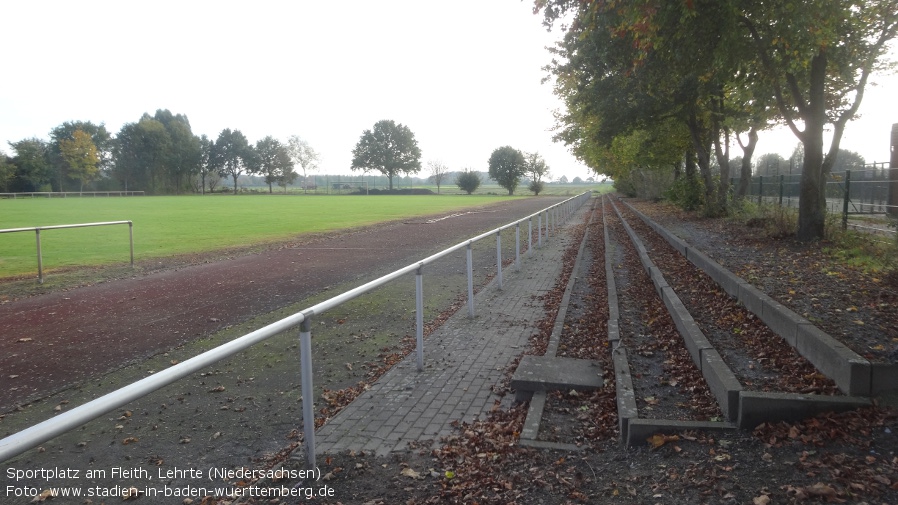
(850, 457)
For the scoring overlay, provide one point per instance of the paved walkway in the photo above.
(463, 360)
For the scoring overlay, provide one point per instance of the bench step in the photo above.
(547, 373)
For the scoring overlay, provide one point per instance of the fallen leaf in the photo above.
(130, 440)
(761, 500)
(408, 472)
(46, 494)
(658, 439)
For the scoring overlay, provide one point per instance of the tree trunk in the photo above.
(748, 150)
(812, 202)
(700, 143)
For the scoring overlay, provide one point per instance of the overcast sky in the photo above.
(463, 75)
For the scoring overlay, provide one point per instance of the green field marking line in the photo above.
(170, 225)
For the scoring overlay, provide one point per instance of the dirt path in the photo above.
(57, 340)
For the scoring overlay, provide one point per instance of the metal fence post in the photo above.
(517, 246)
(530, 236)
(470, 256)
(845, 199)
(760, 188)
(308, 404)
(781, 190)
(419, 316)
(40, 261)
(131, 240)
(539, 229)
(499, 257)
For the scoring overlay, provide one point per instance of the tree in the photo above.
(468, 181)
(535, 168)
(817, 56)
(847, 160)
(389, 148)
(771, 164)
(438, 172)
(7, 171)
(182, 159)
(286, 177)
(563, 179)
(100, 137)
(232, 154)
(303, 156)
(140, 153)
(507, 167)
(32, 164)
(80, 154)
(273, 161)
(206, 162)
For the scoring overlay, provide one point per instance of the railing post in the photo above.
(530, 236)
(499, 257)
(308, 398)
(470, 256)
(539, 229)
(845, 199)
(131, 240)
(40, 261)
(517, 246)
(419, 316)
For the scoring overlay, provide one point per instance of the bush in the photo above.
(686, 195)
(468, 181)
(537, 187)
(773, 220)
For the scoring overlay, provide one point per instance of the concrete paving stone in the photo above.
(463, 360)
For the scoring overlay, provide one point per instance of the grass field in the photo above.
(168, 225)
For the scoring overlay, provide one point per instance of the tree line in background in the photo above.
(159, 154)
(655, 88)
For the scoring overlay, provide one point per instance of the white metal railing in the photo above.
(28, 438)
(65, 194)
(37, 233)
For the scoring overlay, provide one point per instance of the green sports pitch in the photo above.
(171, 225)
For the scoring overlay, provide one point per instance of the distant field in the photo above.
(167, 225)
(484, 189)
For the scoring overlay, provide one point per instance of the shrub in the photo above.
(468, 181)
(537, 187)
(686, 195)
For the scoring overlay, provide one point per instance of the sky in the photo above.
(465, 76)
